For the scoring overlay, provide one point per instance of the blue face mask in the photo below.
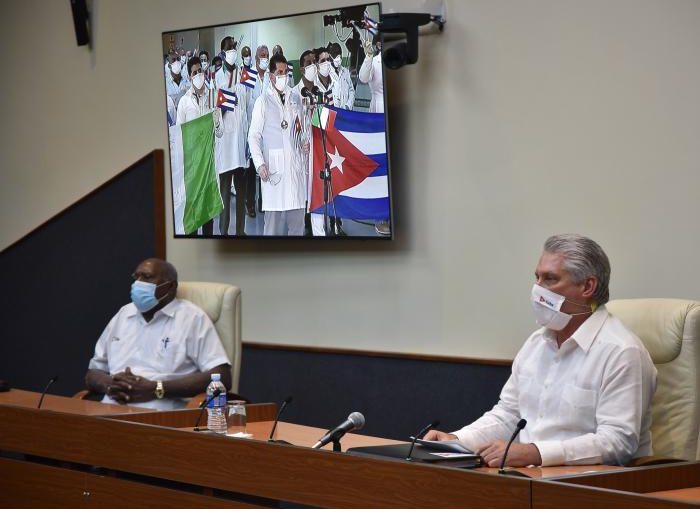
(143, 295)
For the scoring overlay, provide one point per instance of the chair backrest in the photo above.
(222, 303)
(670, 329)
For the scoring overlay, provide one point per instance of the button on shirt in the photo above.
(587, 402)
(179, 340)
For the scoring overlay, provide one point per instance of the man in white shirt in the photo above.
(583, 382)
(158, 350)
(273, 140)
(197, 100)
(175, 84)
(346, 90)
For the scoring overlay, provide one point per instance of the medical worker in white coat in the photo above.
(274, 147)
(371, 73)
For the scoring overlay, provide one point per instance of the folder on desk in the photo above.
(419, 455)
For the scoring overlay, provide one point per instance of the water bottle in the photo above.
(216, 408)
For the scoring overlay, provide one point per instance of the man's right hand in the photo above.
(263, 172)
(440, 436)
(368, 47)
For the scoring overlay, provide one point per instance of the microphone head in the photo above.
(305, 92)
(288, 400)
(434, 424)
(315, 90)
(521, 423)
(357, 419)
(54, 379)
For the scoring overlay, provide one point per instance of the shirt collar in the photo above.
(168, 310)
(587, 331)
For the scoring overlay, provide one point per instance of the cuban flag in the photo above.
(226, 100)
(369, 24)
(356, 145)
(249, 76)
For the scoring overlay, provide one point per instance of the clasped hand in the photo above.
(126, 387)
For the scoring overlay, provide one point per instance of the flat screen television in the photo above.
(277, 127)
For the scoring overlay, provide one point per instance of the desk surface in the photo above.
(28, 399)
(689, 494)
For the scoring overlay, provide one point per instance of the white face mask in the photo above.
(176, 67)
(336, 61)
(310, 72)
(264, 62)
(246, 61)
(198, 81)
(280, 82)
(231, 56)
(324, 69)
(205, 65)
(546, 305)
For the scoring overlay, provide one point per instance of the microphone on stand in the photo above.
(354, 421)
(279, 414)
(521, 424)
(421, 434)
(214, 394)
(51, 381)
(305, 92)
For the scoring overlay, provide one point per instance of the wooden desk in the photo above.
(138, 457)
(670, 485)
(28, 399)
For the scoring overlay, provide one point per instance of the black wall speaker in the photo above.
(80, 21)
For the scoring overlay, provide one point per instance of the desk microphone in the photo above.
(421, 434)
(521, 424)
(214, 394)
(354, 421)
(279, 414)
(41, 399)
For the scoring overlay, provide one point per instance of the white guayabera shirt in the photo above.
(179, 340)
(587, 402)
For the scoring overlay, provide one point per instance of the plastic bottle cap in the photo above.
(216, 377)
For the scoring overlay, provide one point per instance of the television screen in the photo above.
(277, 127)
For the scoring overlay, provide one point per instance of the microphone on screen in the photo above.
(521, 424)
(51, 381)
(354, 421)
(284, 404)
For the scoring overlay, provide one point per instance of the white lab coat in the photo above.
(371, 73)
(345, 88)
(230, 150)
(277, 148)
(173, 90)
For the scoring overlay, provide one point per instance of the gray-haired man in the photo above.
(583, 382)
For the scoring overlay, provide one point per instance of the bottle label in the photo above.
(219, 401)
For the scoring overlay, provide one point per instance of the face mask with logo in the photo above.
(546, 305)
(310, 72)
(246, 61)
(176, 67)
(264, 62)
(280, 82)
(324, 69)
(336, 61)
(143, 295)
(198, 81)
(231, 56)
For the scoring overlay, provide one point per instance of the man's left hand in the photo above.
(141, 389)
(519, 455)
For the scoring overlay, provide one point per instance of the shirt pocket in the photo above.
(578, 407)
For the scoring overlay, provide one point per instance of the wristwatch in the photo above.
(160, 390)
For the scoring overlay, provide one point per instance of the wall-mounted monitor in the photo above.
(277, 127)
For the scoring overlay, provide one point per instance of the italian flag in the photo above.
(196, 197)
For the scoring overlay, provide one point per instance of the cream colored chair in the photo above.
(222, 303)
(670, 329)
